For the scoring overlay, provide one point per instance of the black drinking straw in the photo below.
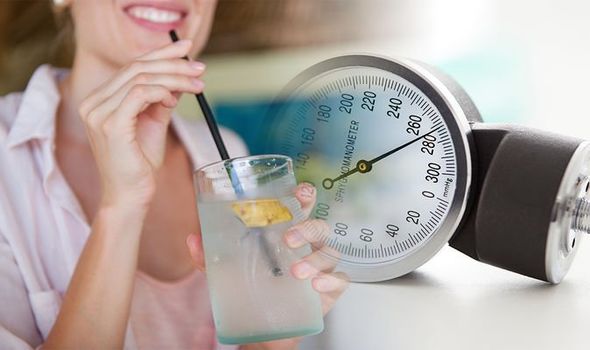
(214, 129)
(208, 114)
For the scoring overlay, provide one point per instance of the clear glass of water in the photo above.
(245, 206)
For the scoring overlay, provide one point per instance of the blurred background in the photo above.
(523, 62)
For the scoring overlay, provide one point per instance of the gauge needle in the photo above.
(364, 166)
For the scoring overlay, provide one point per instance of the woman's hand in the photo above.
(127, 120)
(315, 266)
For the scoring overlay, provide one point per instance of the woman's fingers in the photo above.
(322, 260)
(331, 286)
(176, 66)
(114, 139)
(143, 73)
(127, 119)
(174, 83)
(306, 195)
(320, 264)
(330, 282)
(134, 102)
(165, 59)
(314, 231)
(195, 247)
(137, 99)
(122, 120)
(160, 67)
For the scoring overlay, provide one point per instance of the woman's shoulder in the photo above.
(9, 105)
(32, 107)
(234, 142)
(195, 133)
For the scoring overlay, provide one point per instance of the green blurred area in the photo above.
(493, 77)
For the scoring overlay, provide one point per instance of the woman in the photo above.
(96, 201)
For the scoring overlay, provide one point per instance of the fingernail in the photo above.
(307, 190)
(197, 65)
(294, 238)
(303, 270)
(198, 83)
(322, 284)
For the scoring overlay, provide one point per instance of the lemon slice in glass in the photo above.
(261, 212)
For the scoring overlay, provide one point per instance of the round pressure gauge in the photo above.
(403, 164)
(387, 143)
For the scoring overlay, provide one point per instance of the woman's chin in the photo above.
(145, 40)
(140, 42)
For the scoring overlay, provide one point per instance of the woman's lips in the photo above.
(155, 17)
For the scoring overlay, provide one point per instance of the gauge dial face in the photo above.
(388, 158)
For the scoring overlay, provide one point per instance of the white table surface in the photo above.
(454, 302)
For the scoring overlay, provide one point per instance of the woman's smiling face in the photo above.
(117, 31)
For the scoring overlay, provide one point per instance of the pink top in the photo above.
(179, 311)
(43, 230)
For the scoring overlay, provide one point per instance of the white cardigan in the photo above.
(42, 226)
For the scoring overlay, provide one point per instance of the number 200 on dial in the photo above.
(387, 145)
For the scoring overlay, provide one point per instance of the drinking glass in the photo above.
(245, 206)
